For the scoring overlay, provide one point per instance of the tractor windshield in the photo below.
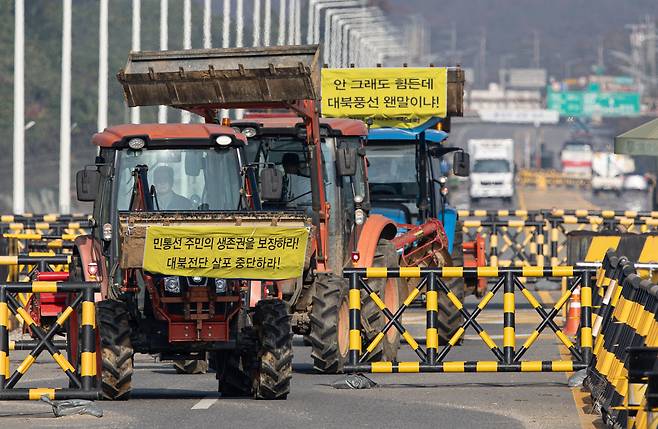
(183, 179)
(392, 171)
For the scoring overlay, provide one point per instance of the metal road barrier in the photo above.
(545, 178)
(83, 382)
(630, 319)
(642, 399)
(432, 359)
(540, 237)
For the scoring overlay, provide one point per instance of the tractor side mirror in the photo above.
(346, 161)
(461, 164)
(86, 184)
(271, 184)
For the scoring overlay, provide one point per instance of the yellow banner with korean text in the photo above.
(231, 252)
(391, 97)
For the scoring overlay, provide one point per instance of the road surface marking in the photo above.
(204, 404)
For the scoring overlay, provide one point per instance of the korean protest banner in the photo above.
(245, 252)
(392, 97)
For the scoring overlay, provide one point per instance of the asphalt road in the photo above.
(163, 398)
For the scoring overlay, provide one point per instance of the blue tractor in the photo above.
(407, 178)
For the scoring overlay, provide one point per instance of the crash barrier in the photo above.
(82, 382)
(542, 179)
(591, 247)
(42, 307)
(432, 359)
(642, 398)
(628, 317)
(539, 237)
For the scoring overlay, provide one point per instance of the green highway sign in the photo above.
(589, 103)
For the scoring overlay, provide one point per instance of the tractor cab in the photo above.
(407, 176)
(278, 149)
(164, 168)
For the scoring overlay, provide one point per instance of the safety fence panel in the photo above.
(539, 237)
(432, 358)
(626, 319)
(83, 380)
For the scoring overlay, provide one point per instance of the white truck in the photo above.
(608, 171)
(492, 175)
(576, 159)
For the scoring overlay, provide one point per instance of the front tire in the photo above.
(116, 349)
(329, 324)
(274, 372)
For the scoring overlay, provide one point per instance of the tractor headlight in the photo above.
(359, 216)
(249, 132)
(136, 143)
(221, 285)
(107, 232)
(172, 284)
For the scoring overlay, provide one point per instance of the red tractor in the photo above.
(150, 176)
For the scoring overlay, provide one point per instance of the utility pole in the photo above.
(453, 43)
(185, 116)
(256, 24)
(65, 114)
(292, 7)
(536, 53)
(19, 108)
(267, 22)
(239, 23)
(281, 40)
(136, 43)
(101, 123)
(164, 36)
(226, 37)
(482, 62)
(207, 18)
(226, 24)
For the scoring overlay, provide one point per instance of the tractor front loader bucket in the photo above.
(203, 79)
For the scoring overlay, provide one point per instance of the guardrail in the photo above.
(432, 359)
(82, 379)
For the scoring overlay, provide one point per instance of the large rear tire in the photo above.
(116, 349)
(329, 324)
(274, 372)
(390, 292)
(450, 319)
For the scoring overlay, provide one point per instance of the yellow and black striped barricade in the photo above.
(33, 262)
(641, 363)
(83, 382)
(57, 227)
(51, 217)
(432, 359)
(633, 324)
(511, 242)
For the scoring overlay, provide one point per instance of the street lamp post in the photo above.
(315, 9)
(19, 109)
(65, 114)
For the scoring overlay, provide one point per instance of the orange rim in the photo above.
(392, 301)
(343, 328)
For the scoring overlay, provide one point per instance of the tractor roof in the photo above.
(340, 126)
(117, 134)
(381, 134)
